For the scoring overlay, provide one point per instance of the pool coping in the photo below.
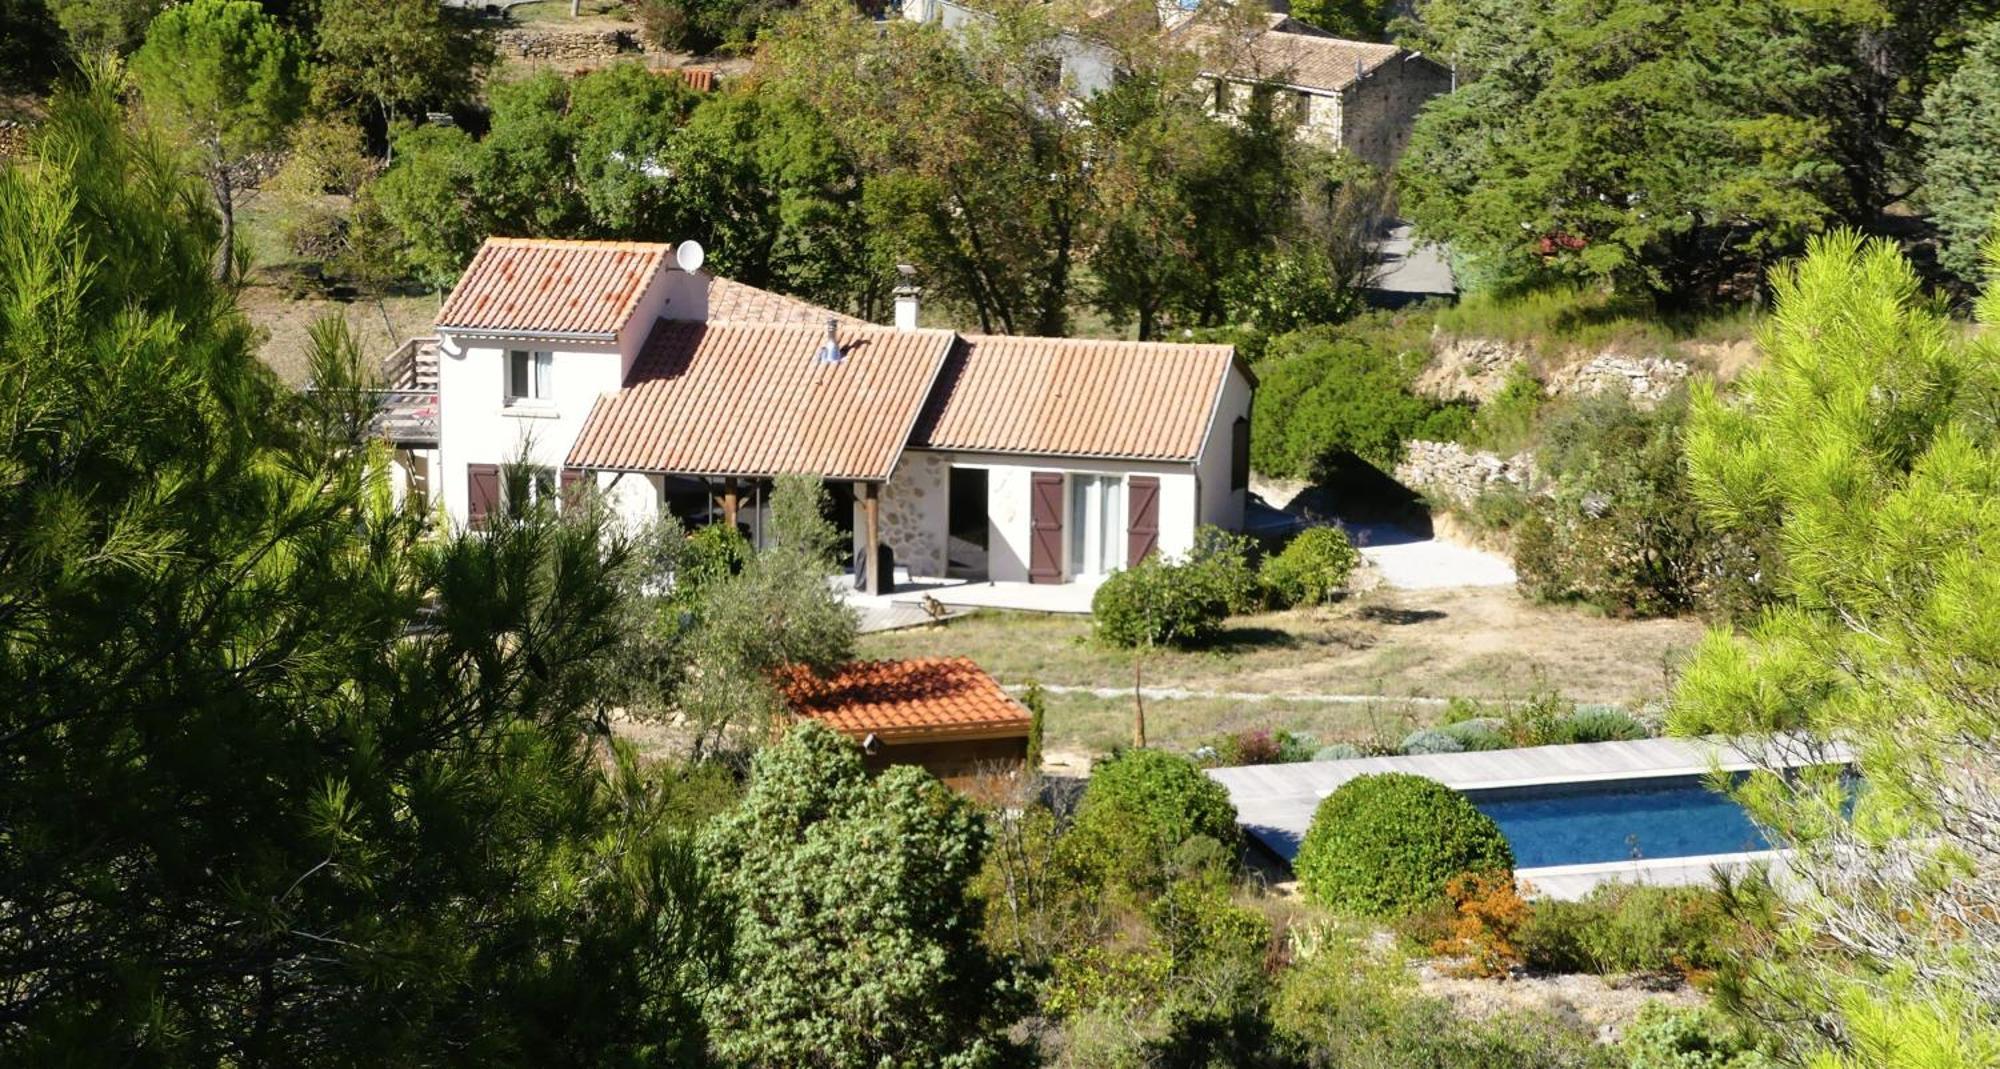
(1275, 803)
(1577, 881)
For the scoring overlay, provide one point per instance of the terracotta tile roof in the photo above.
(550, 286)
(754, 400)
(730, 301)
(1289, 52)
(927, 698)
(1075, 397)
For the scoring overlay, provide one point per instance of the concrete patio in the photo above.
(904, 605)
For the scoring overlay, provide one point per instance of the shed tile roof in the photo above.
(1290, 52)
(754, 400)
(730, 301)
(1075, 397)
(925, 698)
(548, 286)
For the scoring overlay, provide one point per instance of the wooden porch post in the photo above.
(729, 503)
(871, 517)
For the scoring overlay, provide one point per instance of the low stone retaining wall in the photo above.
(566, 44)
(1645, 378)
(1448, 471)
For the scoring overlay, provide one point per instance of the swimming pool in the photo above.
(1621, 820)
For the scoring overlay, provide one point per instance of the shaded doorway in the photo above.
(967, 525)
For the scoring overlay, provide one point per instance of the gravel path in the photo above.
(1406, 562)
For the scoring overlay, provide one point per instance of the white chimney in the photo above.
(907, 293)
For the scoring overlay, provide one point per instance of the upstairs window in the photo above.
(528, 375)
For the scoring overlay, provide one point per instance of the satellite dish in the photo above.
(689, 256)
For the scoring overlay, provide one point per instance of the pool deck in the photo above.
(1275, 803)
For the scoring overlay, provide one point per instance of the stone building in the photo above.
(1354, 95)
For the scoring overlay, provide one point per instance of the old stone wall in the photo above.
(1469, 368)
(1464, 368)
(1448, 471)
(1377, 112)
(914, 507)
(532, 43)
(1645, 378)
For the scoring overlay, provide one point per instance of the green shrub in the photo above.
(1296, 746)
(1312, 568)
(1331, 391)
(709, 555)
(1667, 1038)
(1386, 844)
(1599, 723)
(1141, 806)
(1458, 708)
(1339, 751)
(1629, 928)
(1225, 561)
(1506, 424)
(1619, 528)
(1159, 604)
(1427, 741)
(1541, 719)
(1479, 733)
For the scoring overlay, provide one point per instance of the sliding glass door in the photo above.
(1096, 524)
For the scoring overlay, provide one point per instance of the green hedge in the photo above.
(1312, 568)
(1384, 845)
(1159, 604)
(1142, 805)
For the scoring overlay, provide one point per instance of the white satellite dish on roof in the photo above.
(689, 256)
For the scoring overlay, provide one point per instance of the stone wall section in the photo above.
(529, 43)
(914, 507)
(1646, 378)
(1449, 472)
(1378, 112)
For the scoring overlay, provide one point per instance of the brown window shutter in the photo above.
(572, 479)
(1142, 528)
(1045, 528)
(482, 483)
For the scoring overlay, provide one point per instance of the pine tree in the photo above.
(287, 777)
(1867, 443)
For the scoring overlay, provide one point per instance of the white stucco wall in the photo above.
(1221, 505)
(478, 426)
(1009, 486)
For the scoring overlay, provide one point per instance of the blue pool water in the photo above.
(1571, 824)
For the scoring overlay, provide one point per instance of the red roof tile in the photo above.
(551, 286)
(1075, 397)
(927, 698)
(730, 301)
(755, 400)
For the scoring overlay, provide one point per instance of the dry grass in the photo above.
(1387, 647)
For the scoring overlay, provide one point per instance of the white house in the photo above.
(1010, 459)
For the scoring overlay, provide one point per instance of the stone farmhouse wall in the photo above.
(1370, 118)
(913, 512)
(1377, 112)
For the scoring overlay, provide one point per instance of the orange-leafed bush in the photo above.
(1489, 914)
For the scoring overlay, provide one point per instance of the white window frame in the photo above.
(1108, 516)
(537, 374)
